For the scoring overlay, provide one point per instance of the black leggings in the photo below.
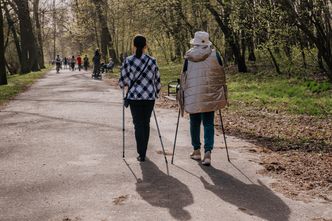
(141, 112)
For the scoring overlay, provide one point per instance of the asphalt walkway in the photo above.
(61, 160)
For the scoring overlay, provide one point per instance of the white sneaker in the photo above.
(196, 155)
(207, 159)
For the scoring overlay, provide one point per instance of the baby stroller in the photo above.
(96, 74)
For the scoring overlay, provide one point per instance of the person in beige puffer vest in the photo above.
(204, 90)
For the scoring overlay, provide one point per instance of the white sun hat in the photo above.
(201, 38)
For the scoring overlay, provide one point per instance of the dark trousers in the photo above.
(141, 112)
(195, 130)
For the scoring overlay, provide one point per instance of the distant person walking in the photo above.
(72, 63)
(96, 63)
(86, 62)
(140, 74)
(57, 63)
(79, 62)
(204, 91)
(65, 62)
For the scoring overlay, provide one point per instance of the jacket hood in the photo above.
(198, 53)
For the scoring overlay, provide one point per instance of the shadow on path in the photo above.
(65, 120)
(161, 190)
(257, 200)
(67, 101)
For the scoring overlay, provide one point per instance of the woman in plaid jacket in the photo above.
(140, 73)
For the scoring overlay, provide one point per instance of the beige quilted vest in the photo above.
(204, 82)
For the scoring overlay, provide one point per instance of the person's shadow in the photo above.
(253, 199)
(161, 190)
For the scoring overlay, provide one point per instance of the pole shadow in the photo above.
(161, 190)
(253, 199)
(131, 170)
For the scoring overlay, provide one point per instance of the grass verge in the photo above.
(272, 93)
(19, 83)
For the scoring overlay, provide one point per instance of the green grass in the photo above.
(17, 84)
(169, 73)
(264, 90)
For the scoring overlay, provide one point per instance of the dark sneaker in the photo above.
(140, 159)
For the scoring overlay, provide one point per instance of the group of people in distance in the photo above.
(70, 62)
(203, 91)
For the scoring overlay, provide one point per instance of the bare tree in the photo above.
(107, 47)
(235, 40)
(317, 13)
(3, 75)
(28, 41)
(38, 33)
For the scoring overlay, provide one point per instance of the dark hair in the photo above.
(139, 43)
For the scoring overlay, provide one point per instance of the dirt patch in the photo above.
(168, 153)
(301, 147)
(69, 219)
(281, 131)
(301, 172)
(112, 81)
(166, 103)
(321, 219)
(120, 200)
(296, 149)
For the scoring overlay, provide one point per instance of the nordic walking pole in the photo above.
(223, 132)
(176, 135)
(123, 124)
(161, 141)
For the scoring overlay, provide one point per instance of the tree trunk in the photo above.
(16, 39)
(39, 34)
(328, 61)
(28, 41)
(95, 28)
(320, 61)
(106, 41)
(274, 60)
(251, 49)
(3, 74)
(304, 61)
(231, 38)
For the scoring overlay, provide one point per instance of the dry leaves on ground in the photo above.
(301, 146)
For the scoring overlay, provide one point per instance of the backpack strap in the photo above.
(219, 58)
(134, 82)
(185, 65)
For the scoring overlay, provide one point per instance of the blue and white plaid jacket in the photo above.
(148, 86)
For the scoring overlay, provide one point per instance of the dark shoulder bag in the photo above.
(125, 99)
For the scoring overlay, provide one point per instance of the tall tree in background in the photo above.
(236, 40)
(28, 41)
(12, 28)
(38, 33)
(106, 41)
(3, 76)
(317, 13)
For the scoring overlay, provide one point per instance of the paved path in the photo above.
(61, 159)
